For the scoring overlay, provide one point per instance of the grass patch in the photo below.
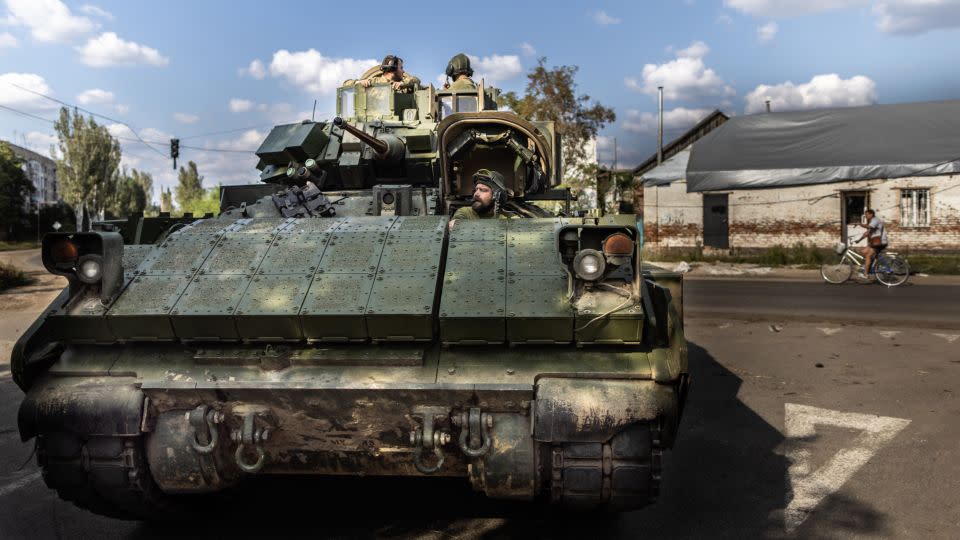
(13, 246)
(933, 264)
(11, 276)
(799, 254)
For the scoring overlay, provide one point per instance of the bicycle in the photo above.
(890, 268)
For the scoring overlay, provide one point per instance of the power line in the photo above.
(235, 130)
(128, 139)
(75, 107)
(11, 109)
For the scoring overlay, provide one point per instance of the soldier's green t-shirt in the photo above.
(467, 212)
(463, 84)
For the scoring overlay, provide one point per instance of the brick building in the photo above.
(799, 192)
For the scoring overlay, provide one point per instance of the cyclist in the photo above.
(877, 235)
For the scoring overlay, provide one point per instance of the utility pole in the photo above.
(660, 126)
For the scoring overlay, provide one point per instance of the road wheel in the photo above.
(892, 271)
(619, 475)
(836, 272)
(105, 475)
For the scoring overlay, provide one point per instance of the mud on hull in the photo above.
(577, 439)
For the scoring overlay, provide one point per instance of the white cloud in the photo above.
(256, 69)
(120, 130)
(247, 141)
(678, 119)
(41, 142)
(789, 8)
(827, 90)
(108, 49)
(697, 49)
(723, 18)
(7, 40)
(154, 134)
(95, 96)
(96, 11)
(14, 97)
(684, 78)
(186, 118)
(767, 32)
(48, 20)
(240, 105)
(601, 17)
(276, 110)
(528, 49)
(496, 67)
(98, 96)
(916, 16)
(315, 73)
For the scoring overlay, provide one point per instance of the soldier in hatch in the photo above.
(489, 194)
(390, 71)
(459, 70)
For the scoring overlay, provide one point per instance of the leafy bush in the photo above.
(11, 276)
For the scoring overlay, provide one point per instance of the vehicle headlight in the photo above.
(589, 264)
(90, 269)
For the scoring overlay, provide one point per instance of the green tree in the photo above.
(209, 203)
(166, 200)
(551, 94)
(15, 191)
(87, 169)
(129, 196)
(189, 186)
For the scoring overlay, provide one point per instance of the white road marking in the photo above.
(889, 334)
(811, 487)
(949, 337)
(19, 483)
(830, 331)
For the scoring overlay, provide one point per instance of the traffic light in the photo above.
(174, 151)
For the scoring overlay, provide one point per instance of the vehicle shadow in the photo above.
(725, 478)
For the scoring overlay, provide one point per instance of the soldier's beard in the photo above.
(395, 76)
(480, 207)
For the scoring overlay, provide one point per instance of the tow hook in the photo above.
(429, 438)
(250, 435)
(475, 427)
(204, 420)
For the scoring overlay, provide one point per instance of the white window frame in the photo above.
(915, 207)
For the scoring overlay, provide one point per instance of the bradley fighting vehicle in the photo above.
(330, 322)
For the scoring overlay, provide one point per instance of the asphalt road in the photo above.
(793, 429)
(918, 303)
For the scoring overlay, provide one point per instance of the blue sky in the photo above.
(189, 69)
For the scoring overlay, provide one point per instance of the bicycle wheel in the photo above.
(836, 272)
(892, 271)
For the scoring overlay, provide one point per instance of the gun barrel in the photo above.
(380, 147)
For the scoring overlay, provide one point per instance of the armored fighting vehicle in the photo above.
(331, 321)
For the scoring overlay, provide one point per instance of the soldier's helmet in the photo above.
(494, 181)
(459, 64)
(390, 63)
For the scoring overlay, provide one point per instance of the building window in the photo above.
(915, 208)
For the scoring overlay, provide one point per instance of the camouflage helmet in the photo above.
(459, 64)
(494, 181)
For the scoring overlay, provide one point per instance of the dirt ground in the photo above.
(20, 306)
